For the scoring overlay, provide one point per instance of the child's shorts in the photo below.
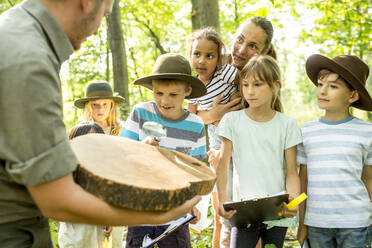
(177, 239)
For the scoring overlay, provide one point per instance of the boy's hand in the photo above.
(195, 212)
(151, 141)
(301, 233)
(213, 157)
(226, 214)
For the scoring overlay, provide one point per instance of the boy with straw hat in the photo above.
(172, 82)
(336, 157)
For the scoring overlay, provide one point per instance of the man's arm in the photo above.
(367, 179)
(64, 200)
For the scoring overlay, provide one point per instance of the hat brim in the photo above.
(315, 63)
(198, 88)
(80, 103)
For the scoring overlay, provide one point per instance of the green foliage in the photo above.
(342, 27)
(270, 246)
(329, 27)
(54, 227)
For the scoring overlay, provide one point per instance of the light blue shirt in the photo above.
(258, 152)
(335, 153)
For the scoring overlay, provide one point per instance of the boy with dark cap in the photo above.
(172, 82)
(336, 157)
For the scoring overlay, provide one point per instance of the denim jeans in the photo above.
(339, 237)
(248, 237)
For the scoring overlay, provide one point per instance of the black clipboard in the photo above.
(174, 225)
(256, 210)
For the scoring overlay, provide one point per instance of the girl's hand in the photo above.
(226, 214)
(151, 141)
(107, 231)
(213, 157)
(301, 233)
(195, 212)
(289, 213)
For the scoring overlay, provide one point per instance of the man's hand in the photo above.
(180, 210)
(195, 212)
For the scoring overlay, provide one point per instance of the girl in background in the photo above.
(262, 143)
(101, 106)
(206, 51)
(84, 235)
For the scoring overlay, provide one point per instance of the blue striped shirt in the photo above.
(335, 153)
(186, 135)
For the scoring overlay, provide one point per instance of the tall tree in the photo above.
(209, 14)
(119, 57)
(205, 13)
(195, 14)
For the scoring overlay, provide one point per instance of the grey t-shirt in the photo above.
(33, 141)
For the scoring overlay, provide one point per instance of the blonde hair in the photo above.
(266, 69)
(112, 119)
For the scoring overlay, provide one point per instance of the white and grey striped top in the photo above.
(222, 82)
(335, 153)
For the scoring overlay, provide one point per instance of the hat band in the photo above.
(99, 93)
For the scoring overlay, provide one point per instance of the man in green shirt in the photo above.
(36, 160)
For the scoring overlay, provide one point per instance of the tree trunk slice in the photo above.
(135, 175)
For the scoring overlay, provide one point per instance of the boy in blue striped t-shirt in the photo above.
(336, 157)
(171, 82)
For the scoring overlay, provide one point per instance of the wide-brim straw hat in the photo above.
(96, 90)
(353, 70)
(174, 66)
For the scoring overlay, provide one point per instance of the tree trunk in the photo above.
(119, 57)
(209, 14)
(195, 14)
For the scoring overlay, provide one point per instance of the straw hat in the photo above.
(353, 70)
(98, 90)
(173, 66)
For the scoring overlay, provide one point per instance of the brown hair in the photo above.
(211, 34)
(267, 70)
(266, 26)
(170, 82)
(324, 72)
(112, 119)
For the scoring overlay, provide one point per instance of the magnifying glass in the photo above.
(154, 130)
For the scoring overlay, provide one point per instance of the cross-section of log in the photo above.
(135, 175)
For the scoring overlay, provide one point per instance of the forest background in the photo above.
(138, 31)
